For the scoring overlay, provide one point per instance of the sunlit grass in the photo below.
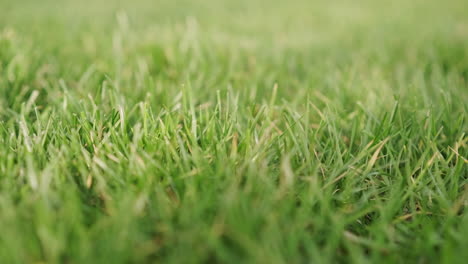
(233, 131)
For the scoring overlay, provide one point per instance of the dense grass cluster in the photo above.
(233, 131)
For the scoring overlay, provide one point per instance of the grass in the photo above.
(233, 131)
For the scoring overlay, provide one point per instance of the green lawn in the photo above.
(233, 131)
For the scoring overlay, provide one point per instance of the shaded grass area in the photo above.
(233, 131)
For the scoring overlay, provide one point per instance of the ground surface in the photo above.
(233, 131)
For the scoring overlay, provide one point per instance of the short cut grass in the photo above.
(233, 131)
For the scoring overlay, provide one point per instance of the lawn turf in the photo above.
(233, 131)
